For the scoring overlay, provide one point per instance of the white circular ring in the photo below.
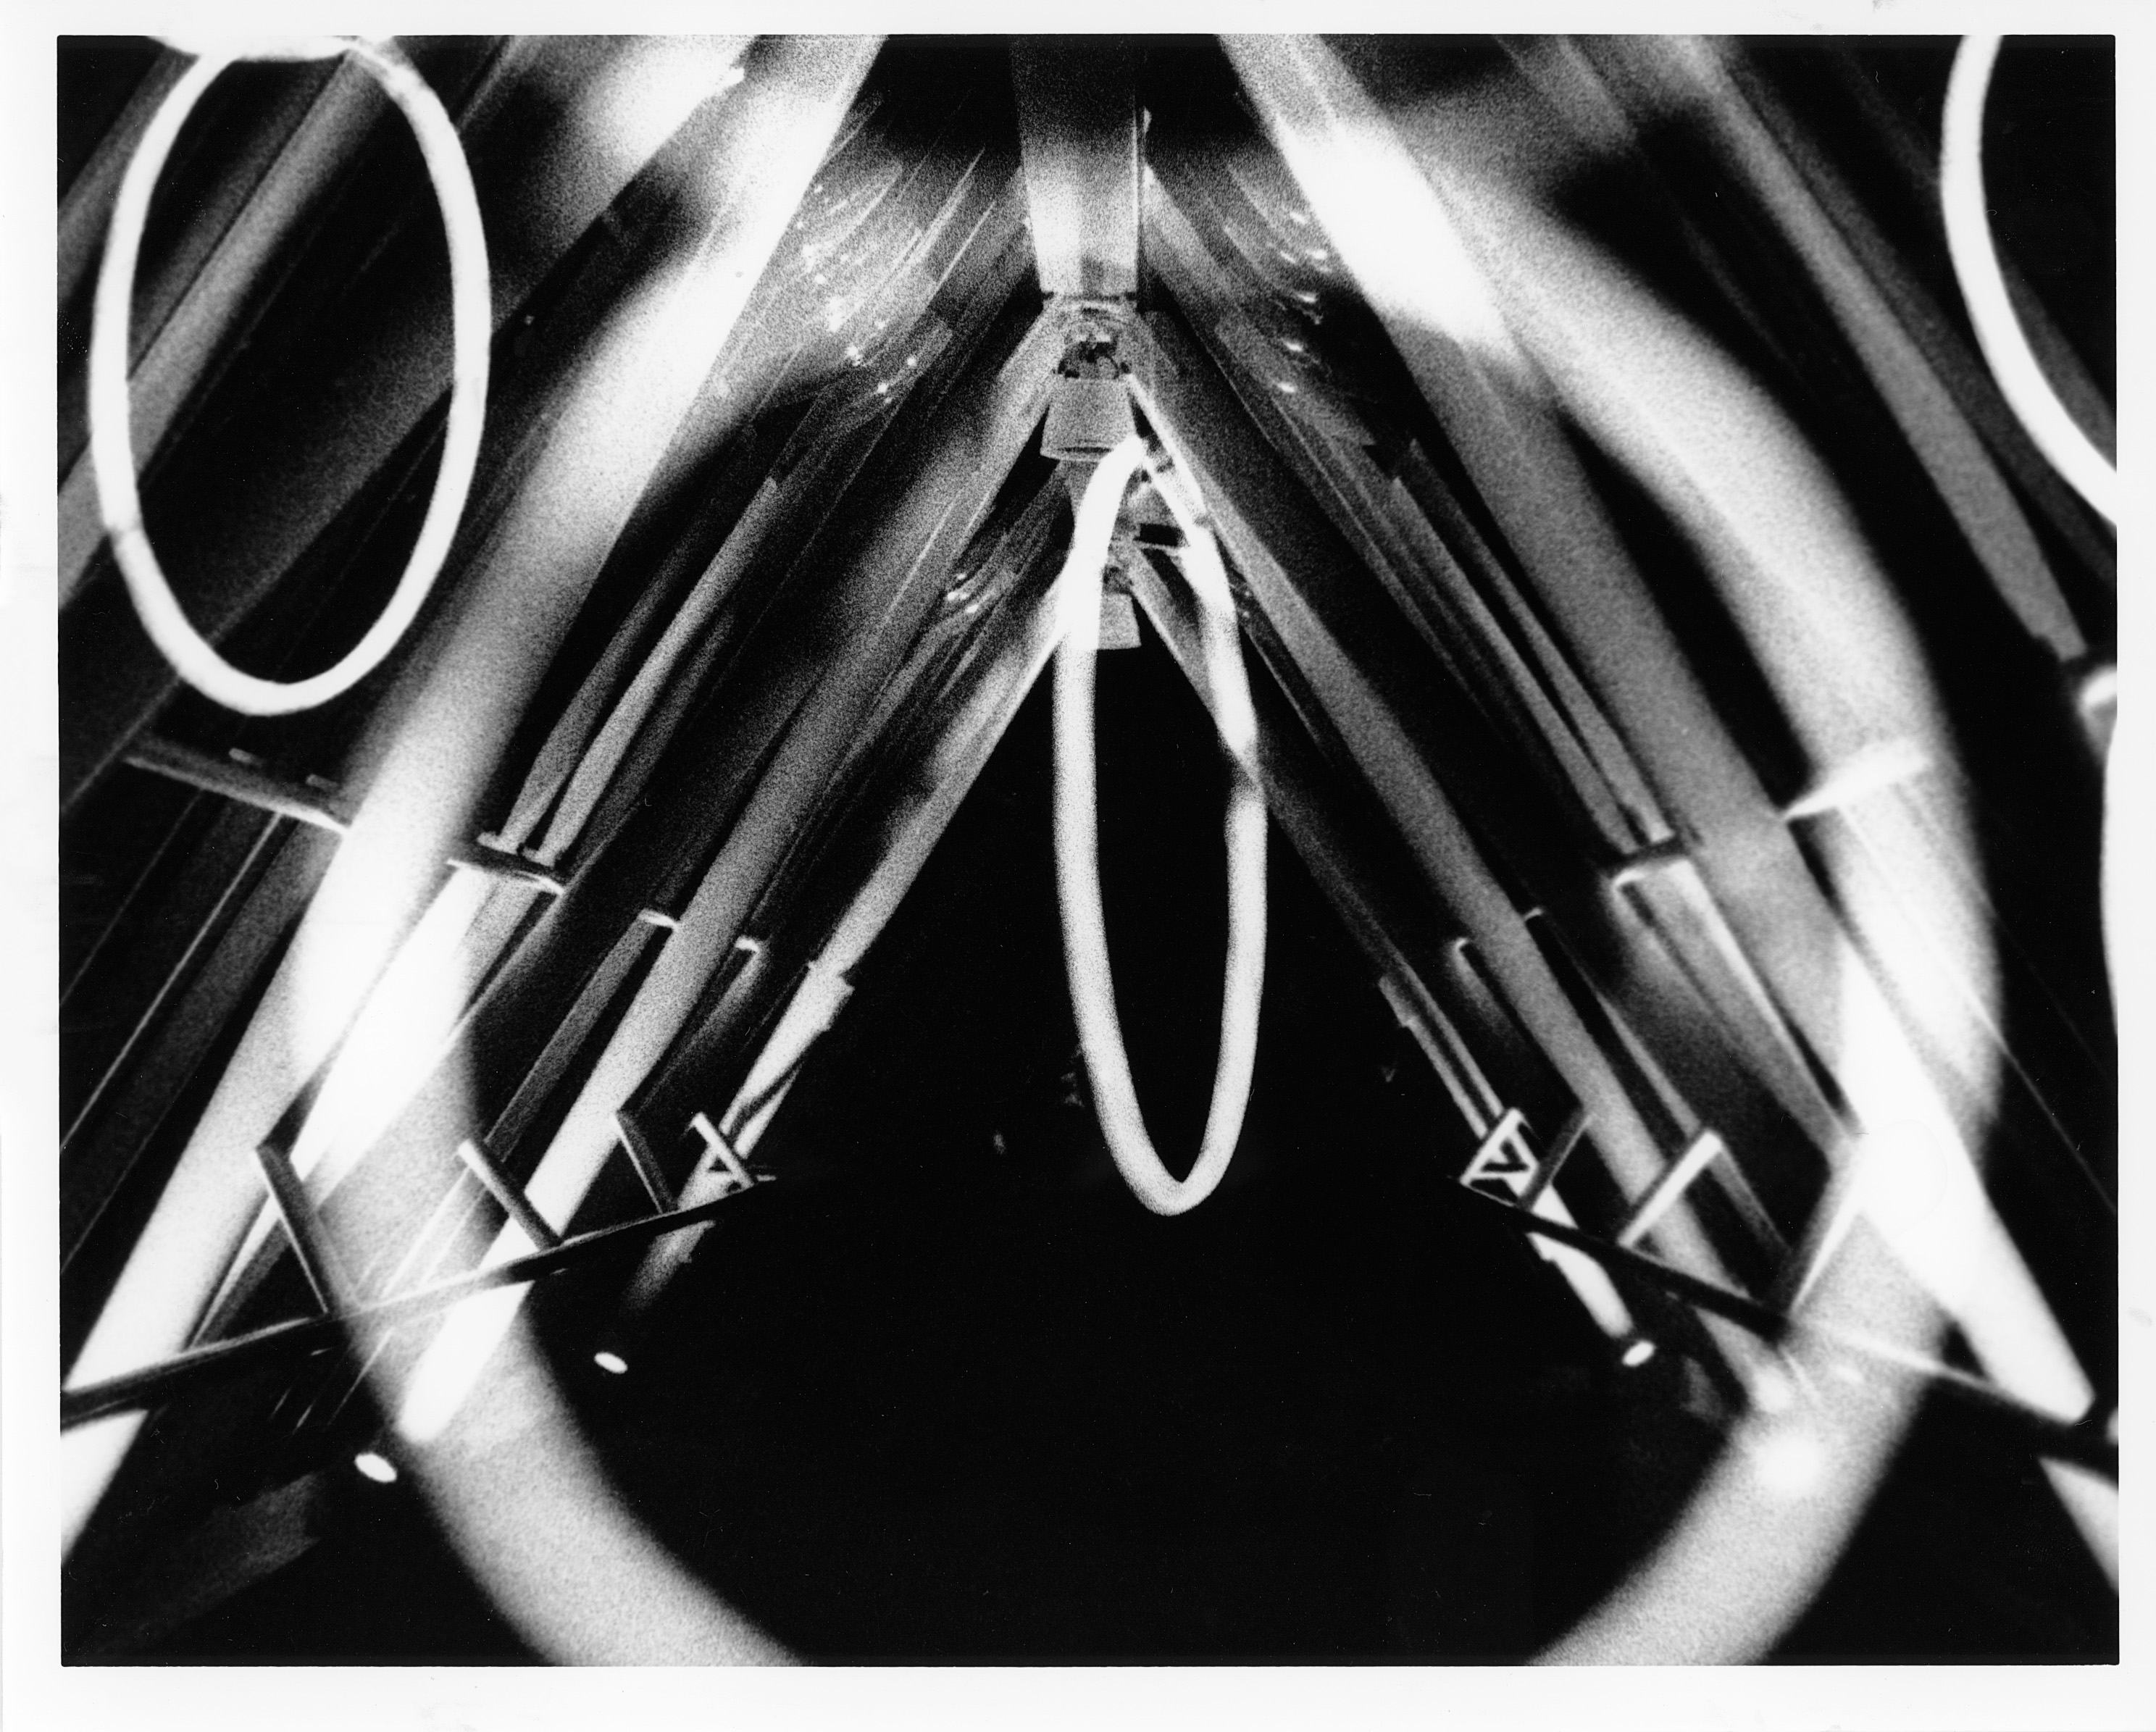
(1077, 857)
(111, 446)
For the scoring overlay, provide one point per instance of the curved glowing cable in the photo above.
(1998, 332)
(1077, 860)
(111, 447)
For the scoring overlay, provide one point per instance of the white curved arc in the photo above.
(1998, 332)
(111, 445)
(225, 48)
(1077, 860)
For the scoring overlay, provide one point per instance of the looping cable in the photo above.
(1998, 333)
(111, 445)
(1077, 860)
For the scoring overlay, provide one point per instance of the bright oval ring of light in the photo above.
(1077, 860)
(111, 444)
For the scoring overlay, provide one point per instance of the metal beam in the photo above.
(1301, 575)
(977, 434)
(1078, 131)
(88, 198)
(220, 1362)
(303, 1227)
(637, 1147)
(933, 790)
(2045, 1434)
(118, 1126)
(234, 779)
(1562, 728)
(325, 809)
(506, 1192)
(1364, 872)
(1669, 1187)
(657, 813)
(867, 806)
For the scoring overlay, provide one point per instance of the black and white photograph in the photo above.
(1283, 872)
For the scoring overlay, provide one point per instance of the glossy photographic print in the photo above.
(1123, 851)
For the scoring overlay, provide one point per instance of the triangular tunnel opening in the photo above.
(945, 1386)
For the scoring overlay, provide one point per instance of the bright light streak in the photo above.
(454, 1359)
(398, 1036)
(394, 1045)
(613, 1362)
(663, 341)
(330, 976)
(1918, 1190)
(1378, 209)
(648, 90)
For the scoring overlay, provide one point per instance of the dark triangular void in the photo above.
(946, 1391)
